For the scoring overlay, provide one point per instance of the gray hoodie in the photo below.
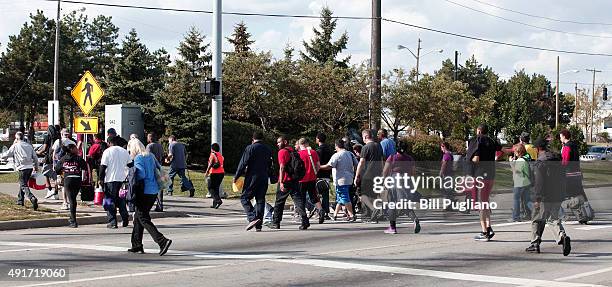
(23, 155)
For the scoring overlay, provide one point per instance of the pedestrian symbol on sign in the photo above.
(88, 88)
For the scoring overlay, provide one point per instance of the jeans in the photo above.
(213, 186)
(72, 186)
(323, 190)
(142, 220)
(111, 191)
(256, 187)
(299, 199)
(185, 182)
(24, 190)
(521, 193)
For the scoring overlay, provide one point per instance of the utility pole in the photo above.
(576, 104)
(56, 61)
(456, 60)
(418, 57)
(557, 97)
(592, 103)
(216, 134)
(375, 61)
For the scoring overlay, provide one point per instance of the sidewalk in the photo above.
(87, 213)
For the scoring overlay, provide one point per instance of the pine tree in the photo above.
(321, 48)
(241, 39)
(179, 105)
(133, 78)
(102, 35)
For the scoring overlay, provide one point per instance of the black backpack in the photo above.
(295, 167)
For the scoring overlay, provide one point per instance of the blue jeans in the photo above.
(518, 194)
(185, 182)
(111, 191)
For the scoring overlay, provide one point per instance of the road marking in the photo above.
(511, 223)
(585, 274)
(593, 227)
(432, 273)
(122, 276)
(25, 249)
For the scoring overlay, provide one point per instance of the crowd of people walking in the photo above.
(132, 179)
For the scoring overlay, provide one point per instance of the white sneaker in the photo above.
(50, 193)
(64, 206)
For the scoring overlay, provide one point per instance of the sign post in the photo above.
(87, 93)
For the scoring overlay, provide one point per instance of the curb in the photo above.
(63, 221)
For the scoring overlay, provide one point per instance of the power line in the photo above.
(346, 17)
(543, 17)
(527, 24)
(495, 41)
(210, 12)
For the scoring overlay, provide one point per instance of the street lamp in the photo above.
(418, 55)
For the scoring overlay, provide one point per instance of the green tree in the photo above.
(26, 68)
(180, 107)
(241, 39)
(102, 35)
(398, 93)
(321, 49)
(134, 77)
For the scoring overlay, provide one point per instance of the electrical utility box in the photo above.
(126, 119)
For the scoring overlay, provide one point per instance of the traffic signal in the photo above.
(605, 93)
(210, 88)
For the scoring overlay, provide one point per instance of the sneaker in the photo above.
(169, 193)
(533, 248)
(111, 226)
(417, 226)
(34, 202)
(482, 236)
(303, 227)
(271, 225)
(125, 223)
(321, 217)
(327, 217)
(164, 247)
(19, 203)
(490, 233)
(258, 229)
(50, 194)
(390, 230)
(567, 245)
(136, 250)
(73, 225)
(191, 192)
(64, 206)
(252, 224)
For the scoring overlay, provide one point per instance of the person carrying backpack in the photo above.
(521, 179)
(292, 170)
(71, 166)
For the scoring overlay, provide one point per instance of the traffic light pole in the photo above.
(216, 135)
(592, 103)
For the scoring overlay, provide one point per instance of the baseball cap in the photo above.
(68, 142)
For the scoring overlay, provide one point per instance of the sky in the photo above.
(166, 29)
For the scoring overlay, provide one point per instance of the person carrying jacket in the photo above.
(548, 193)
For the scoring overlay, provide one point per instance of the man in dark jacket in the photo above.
(325, 152)
(548, 193)
(254, 165)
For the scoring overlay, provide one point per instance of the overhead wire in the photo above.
(543, 17)
(527, 24)
(348, 17)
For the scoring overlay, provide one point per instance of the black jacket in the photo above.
(548, 174)
(71, 165)
(255, 161)
(325, 153)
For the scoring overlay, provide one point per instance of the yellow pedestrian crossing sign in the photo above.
(86, 125)
(87, 93)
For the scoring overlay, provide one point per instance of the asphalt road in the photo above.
(214, 250)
